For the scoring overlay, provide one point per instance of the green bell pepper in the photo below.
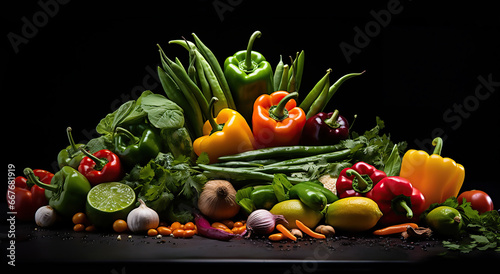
(67, 191)
(263, 197)
(72, 155)
(134, 150)
(248, 75)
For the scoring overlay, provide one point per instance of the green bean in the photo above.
(212, 60)
(314, 93)
(336, 85)
(281, 152)
(191, 86)
(332, 156)
(321, 101)
(284, 78)
(174, 93)
(299, 64)
(278, 73)
(214, 85)
(240, 174)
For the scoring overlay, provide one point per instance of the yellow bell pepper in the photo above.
(436, 177)
(231, 135)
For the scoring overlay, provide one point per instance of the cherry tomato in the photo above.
(479, 200)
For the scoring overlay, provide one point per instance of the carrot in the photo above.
(277, 237)
(286, 232)
(393, 229)
(308, 231)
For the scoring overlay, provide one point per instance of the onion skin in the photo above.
(204, 229)
(263, 222)
(217, 201)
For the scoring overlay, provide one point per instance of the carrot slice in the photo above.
(393, 229)
(308, 231)
(286, 232)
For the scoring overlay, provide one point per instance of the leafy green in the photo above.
(163, 113)
(376, 149)
(165, 184)
(480, 231)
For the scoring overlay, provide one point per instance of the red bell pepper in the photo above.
(398, 200)
(100, 167)
(26, 197)
(276, 120)
(358, 180)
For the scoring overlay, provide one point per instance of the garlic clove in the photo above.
(45, 216)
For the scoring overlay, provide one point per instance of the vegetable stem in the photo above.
(247, 65)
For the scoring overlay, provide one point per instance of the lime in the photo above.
(353, 214)
(296, 210)
(107, 202)
(445, 220)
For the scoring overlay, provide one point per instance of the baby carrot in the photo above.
(308, 231)
(286, 232)
(277, 237)
(393, 229)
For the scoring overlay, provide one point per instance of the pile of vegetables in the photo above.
(235, 141)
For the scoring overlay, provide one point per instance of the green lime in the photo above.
(107, 202)
(445, 220)
(296, 210)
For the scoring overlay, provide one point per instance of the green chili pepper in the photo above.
(70, 156)
(134, 150)
(309, 196)
(67, 191)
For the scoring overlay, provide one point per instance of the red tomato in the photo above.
(479, 200)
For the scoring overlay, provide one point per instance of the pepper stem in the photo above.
(438, 143)
(409, 212)
(28, 172)
(248, 66)
(129, 134)
(215, 127)
(360, 183)
(74, 149)
(99, 162)
(332, 121)
(279, 112)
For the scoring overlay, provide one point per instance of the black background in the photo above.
(89, 57)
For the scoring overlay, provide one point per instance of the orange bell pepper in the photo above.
(436, 177)
(226, 134)
(276, 120)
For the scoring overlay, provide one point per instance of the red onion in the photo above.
(263, 222)
(204, 229)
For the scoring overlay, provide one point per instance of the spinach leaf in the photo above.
(162, 113)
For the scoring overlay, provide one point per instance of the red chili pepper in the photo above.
(26, 197)
(100, 167)
(398, 200)
(358, 180)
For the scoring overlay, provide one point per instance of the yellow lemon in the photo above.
(353, 214)
(296, 210)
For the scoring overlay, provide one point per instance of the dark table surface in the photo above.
(81, 252)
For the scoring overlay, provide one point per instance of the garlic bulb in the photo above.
(45, 216)
(142, 218)
(218, 200)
